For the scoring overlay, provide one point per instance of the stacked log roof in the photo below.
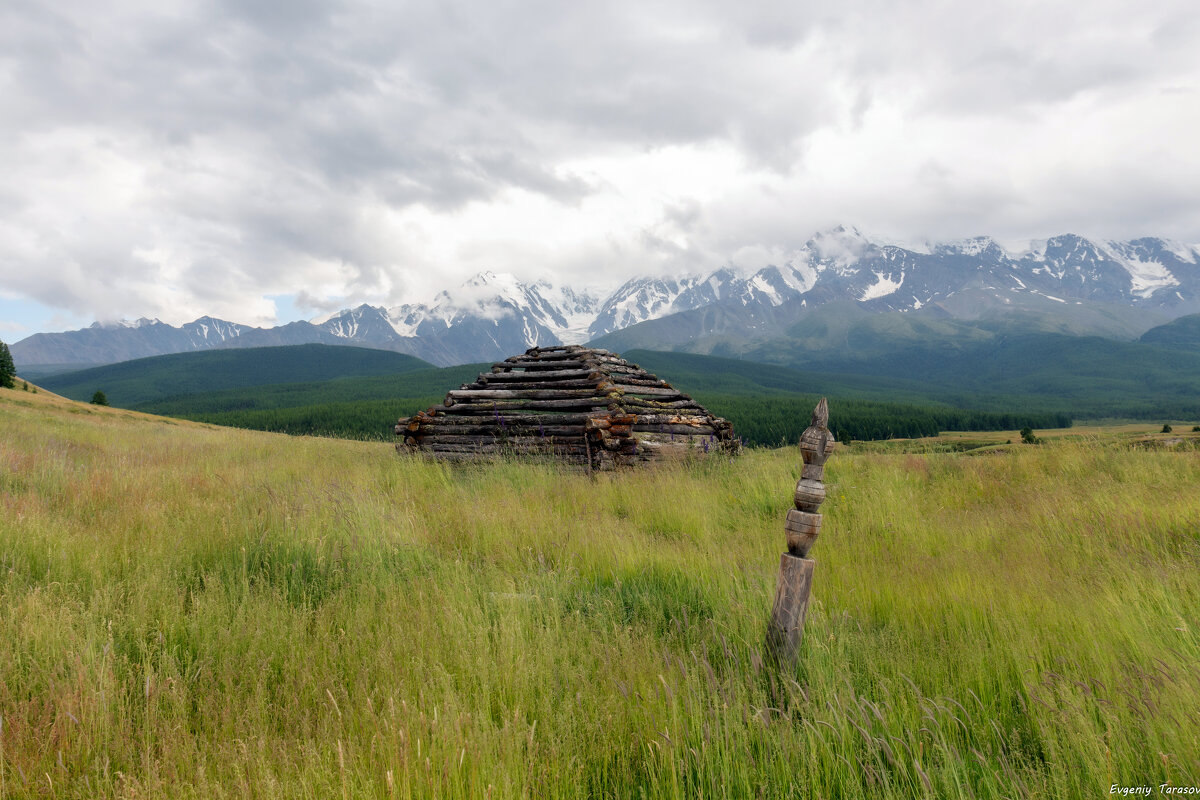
(580, 404)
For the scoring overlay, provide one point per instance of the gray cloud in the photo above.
(193, 158)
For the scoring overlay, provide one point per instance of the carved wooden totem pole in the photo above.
(802, 527)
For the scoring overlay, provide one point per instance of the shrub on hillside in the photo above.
(99, 399)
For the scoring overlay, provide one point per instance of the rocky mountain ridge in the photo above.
(492, 316)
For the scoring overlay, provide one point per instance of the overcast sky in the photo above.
(263, 161)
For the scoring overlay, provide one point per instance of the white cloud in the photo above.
(172, 161)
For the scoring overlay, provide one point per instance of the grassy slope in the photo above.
(191, 611)
(146, 380)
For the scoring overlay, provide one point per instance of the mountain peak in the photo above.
(493, 314)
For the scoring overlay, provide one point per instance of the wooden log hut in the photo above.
(579, 404)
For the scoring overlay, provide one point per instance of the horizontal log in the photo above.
(647, 391)
(468, 457)
(502, 406)
(543, 376)
(570, 383)
(645, 379)
(526, 442)
(534, 365)
(672, 419)
(637, 402)
(675, 440)
(488, 428)
(510, 418)
(679, 449)
(608, 421)
(683, 430)
(508, 448)
(553, 354)
(530, 440)
(523, 394)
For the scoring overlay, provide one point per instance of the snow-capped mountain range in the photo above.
(493, 316)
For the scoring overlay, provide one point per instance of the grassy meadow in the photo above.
(193, 611)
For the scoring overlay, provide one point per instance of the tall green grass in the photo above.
(190, 611)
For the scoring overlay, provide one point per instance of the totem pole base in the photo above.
(791, 606)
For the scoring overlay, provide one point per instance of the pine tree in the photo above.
(98, 399)
(8, 370)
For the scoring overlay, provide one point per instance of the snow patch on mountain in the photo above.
(884, 285)
(799, 277)
(1187, 253)
(1146, 275)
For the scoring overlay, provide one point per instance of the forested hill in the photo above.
(1005, 384)
(149, 380)
(767, 404)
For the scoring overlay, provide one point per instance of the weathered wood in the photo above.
(643, 379)
(815, 441)
(569, 383)
(801, 529)
(790, 608)
(809, 494)
(513, 439)
(452, 447)
(501, 406)
(683, 430)
(506, 377)
(470, 456)
(488, 428)
(637, 402)
(699, 445)
(603, 404)
(531, 419)
(677, 418)
(523, 394)
(552, 354)
(623, 369)
(814, 472)
(649, 391)
(604, 423)
(534, 365)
